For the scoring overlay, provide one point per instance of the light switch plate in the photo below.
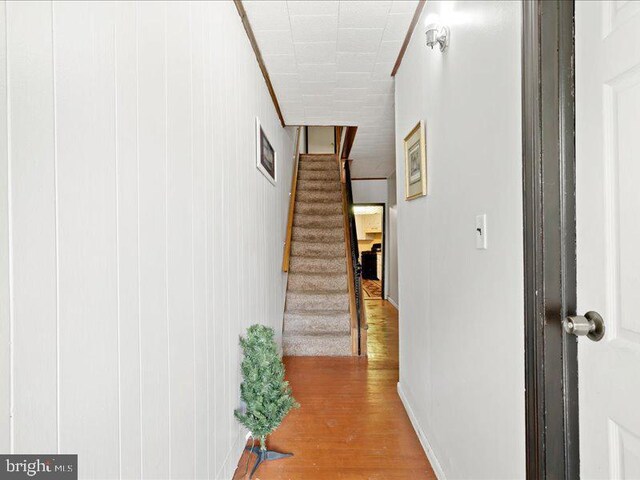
(481, 231)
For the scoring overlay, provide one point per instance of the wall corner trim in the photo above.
(407, 38)
(435, 464)
(254, 44)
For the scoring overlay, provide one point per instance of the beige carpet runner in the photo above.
(316, 320)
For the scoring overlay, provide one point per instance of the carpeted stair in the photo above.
(316, 319)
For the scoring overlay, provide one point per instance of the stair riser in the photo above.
(318, 175)
(318, 196)
(317, 302)
(297, 323)
(318, 265)
(317, 157)
(318, 221)
(319, 166)
(313, 249)
(306, 345)
(305, 282)
(317, 234)
(321, 185)
(334, 208)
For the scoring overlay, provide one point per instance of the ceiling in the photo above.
(330, 63)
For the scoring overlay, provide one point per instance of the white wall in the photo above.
(369, 191)
(140, 236)
(461, 315)
(391, 280)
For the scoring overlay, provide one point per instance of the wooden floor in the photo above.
(351, 423)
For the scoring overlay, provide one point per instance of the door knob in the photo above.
(591, 325)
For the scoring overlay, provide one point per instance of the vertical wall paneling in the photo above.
(137, 238)
(216, 200)
(87, 280)
(201, 414)
(152, 158)
(179, 240)
(127, 238)
(33, 227)
(232, 207)
(5, 313)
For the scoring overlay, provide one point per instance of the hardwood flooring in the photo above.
(372, 289)
(351, 423)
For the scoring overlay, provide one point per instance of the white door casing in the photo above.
(607, 40)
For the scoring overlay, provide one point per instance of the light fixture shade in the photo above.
(437, 35)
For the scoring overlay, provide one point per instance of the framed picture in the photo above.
(265, 154)
(415, 162)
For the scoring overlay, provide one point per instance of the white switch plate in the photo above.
(481, 231)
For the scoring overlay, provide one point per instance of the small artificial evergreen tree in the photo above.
(264, 390)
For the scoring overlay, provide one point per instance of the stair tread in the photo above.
(324, 313)
(330, 333)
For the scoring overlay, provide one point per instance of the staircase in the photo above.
(317, 320)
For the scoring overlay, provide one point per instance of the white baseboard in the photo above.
(393, 302)
(435, 464)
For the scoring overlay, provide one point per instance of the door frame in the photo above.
(548, 134)
(384, 239)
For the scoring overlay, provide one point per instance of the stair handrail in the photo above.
(292, 203)
(355, 265)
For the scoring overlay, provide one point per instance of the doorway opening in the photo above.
(370, 228)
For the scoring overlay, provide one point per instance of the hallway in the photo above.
(351, 424)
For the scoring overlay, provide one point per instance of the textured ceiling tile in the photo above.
(317, 100)
(349, 105)
(355, 62)
(378, 100)
(359, 40)
(267, 15)
(388, 52)
(404, 6)
(382, 71)
(353, 79)
(397, 26)
(353, 94)
(314, 28)
(277, 64)
(318, 88)
(319, 52)
(287, 82)
(313, 7)
(330, 64)
(319, 76)
(311, 68)
(381, 86)
(363, 14)
(274, 42)
(318, 121)
(318, 111)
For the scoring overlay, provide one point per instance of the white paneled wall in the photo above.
(137, 238)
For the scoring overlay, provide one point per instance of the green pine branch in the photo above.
(264, 390)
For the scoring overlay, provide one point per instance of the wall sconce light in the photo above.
(437, 35)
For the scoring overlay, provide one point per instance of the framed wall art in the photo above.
(266, 157)
(415, 162)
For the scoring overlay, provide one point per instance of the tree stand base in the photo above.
(264, 455)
